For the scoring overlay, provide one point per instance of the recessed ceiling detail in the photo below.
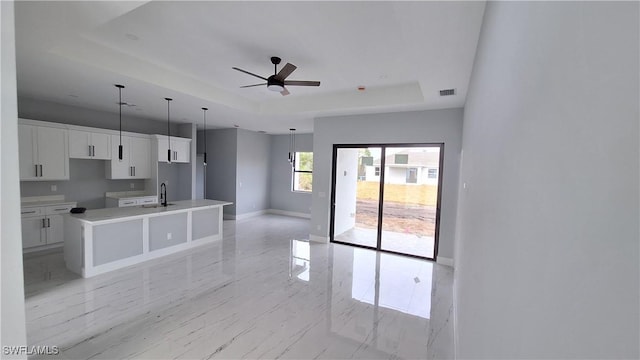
(185, 50)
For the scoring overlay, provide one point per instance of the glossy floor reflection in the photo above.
(261, 292)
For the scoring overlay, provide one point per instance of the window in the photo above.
(432, 173)
(377, 171)
(302, 171)
(401, 159)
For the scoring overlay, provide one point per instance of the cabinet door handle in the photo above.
(89, 150)
(48, 222)
(94, 150)
(134, 171)
(36, 170)
(43, 224)
(28, 212)
(59, 209)
(41, 174)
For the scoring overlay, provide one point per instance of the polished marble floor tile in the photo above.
(261, 292)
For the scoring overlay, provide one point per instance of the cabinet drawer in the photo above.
(148, 200)
(127, 202)
(26, 212)
(58, 209)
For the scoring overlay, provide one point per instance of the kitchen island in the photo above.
(103, 240)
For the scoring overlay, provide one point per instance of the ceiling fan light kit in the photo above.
(278, 81)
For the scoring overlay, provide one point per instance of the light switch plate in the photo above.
(132, 185)
(169, 236)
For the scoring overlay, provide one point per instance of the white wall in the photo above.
(547, 264)
(12, 327)
(346, 190)
(432, 126)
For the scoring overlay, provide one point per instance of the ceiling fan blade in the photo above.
(302, 83)
(246, 86)
(285, 92)
(286, 71)
(246, 72)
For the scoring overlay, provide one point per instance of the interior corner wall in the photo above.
(222, 148)
(547, 263)
(430, 126)
(253, 171)
(12, 309)
(281, 195)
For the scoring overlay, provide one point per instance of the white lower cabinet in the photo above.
(43, 225)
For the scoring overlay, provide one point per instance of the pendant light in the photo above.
(168, 130)
(120, 87)
(204, 116)
(292, 147)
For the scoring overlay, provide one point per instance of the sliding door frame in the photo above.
(383, 150)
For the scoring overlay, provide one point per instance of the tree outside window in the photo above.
(303, 172)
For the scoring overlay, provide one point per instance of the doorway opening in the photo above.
(386, 197)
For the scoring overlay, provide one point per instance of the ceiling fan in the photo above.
(277, 81)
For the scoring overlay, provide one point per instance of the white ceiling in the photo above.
(403, 52)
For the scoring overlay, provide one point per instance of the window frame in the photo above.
(294, 171)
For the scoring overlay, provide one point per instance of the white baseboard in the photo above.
(320, 239)
(444, 261)
(245, 215)
(289, 213)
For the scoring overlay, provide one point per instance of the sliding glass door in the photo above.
(386, 196)
(356, 196)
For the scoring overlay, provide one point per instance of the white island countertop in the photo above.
(110, 214)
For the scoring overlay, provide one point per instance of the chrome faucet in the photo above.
(163, 194)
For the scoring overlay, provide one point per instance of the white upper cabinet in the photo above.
(180, 149)
(89, 145)
(43, 153)
(136, 158)
(140, 157)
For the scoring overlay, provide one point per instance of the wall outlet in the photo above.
(54, 188)
(318, 227)
(169, 236)
(132, 185)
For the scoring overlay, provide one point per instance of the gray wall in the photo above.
(12, 331)
(50, 111)
(547, 259)
(253, 172)
(86, 186)
(281, 196)
(177, 177)
(221, 167)
(432, 126)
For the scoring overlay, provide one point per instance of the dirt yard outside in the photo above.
(408, 209)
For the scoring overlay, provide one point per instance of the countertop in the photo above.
(44, 201)
(98, 215)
